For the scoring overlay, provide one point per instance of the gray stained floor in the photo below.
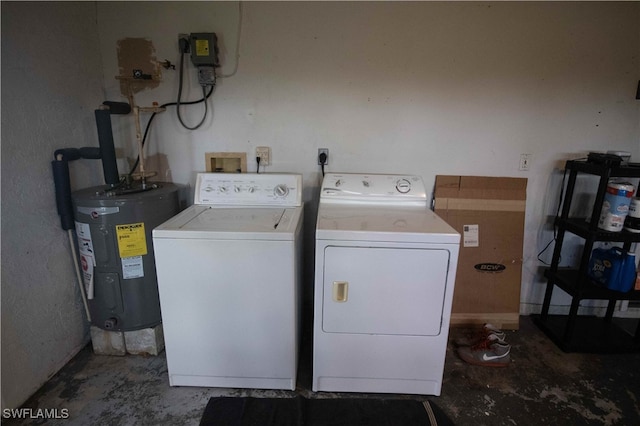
(541, 386)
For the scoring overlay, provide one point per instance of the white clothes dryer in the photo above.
(384, 278)
(229, 271)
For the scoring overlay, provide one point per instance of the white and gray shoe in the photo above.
(479, 335)
(491, 352)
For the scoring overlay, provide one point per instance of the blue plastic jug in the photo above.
(613, 268)
(627, 273)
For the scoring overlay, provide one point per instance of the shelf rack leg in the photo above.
(557, 249)
(571, 320)
(610, 308)
(547, 301)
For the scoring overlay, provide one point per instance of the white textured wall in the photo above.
(416, 87)
(51, 83)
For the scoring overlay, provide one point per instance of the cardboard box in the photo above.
(489, 214)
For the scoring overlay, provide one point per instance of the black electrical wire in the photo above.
(204, 116)
(258, 165)
(323, 159)
(179, 102)
(146, 130)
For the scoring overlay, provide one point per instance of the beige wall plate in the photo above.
(226, 162)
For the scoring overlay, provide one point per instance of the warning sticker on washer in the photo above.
(470, 237)
(131, 240)
(132, 267)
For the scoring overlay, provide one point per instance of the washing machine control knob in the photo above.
(403, 186)
(223, 189)
(281, 190)
(236, 188)
(251, 189)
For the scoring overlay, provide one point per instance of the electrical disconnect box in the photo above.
(204, 49)
(204, 55)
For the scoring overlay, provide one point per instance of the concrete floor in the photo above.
(543, 385)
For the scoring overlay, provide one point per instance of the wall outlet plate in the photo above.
(323, 151)
(525, 162)
(264, 152)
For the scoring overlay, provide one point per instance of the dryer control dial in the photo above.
(403, 186)
(281, 190)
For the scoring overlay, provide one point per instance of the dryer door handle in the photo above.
(340, 291)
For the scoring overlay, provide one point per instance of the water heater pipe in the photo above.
(62, 184)
(105, 138)
(63, 201)
(78, 273)
(62, 181)
(143, 177)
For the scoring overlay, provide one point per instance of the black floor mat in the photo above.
(299, 411)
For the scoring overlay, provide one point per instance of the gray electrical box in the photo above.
(204, 49)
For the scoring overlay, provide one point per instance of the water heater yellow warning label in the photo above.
(131, 240)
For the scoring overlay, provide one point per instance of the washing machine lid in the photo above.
(383, 223)
(232, 223)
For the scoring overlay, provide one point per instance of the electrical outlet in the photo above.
(183, 43)
(323, 151)
(264, 152)
(525, 162)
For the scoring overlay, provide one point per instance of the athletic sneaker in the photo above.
(479, 335)
(490, 353)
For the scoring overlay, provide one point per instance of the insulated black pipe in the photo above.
(90, 153)
(118, 107)
(62, 184)
(68, 154)
(107, 149)
(106, 152)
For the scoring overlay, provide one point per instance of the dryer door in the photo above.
(376, 290)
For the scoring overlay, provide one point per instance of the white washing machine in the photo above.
(384, 279)
(229, 282)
